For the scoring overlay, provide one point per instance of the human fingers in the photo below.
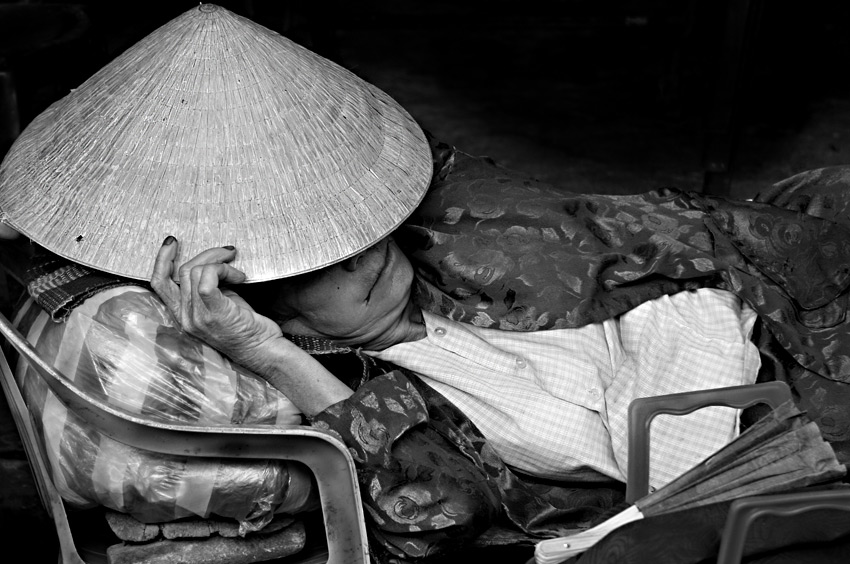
(210, 307)
(207, 279)
(161, 278)
(220, 320)
(209, 257)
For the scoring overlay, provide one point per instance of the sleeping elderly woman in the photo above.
(457, 426)
(472, 335)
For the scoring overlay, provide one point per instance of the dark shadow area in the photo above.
(617, 97)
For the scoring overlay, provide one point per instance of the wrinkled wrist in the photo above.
(270, 356)
(293, 372)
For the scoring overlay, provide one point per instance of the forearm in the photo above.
(297, 375)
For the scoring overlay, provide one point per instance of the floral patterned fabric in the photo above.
(496, 248)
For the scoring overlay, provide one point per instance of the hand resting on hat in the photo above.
(226, 322)
(362, 301)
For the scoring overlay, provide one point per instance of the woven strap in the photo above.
(59, 285)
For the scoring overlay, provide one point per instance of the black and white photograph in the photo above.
(306, 282)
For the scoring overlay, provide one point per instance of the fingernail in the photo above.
(168, 240)
(229, 247)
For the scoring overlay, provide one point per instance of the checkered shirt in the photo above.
(554, 403)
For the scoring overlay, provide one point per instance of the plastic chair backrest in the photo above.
(643, 410)
(326, 456)
(743, 512)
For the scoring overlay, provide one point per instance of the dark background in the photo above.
(595, 96)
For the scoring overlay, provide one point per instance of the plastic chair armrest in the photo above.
(643, 410)
(743, 512)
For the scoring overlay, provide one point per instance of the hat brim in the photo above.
(217, 131)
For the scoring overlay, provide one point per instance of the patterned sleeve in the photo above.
(425, 486)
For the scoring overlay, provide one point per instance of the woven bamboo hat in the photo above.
(218, 131)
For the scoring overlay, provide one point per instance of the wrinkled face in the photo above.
(362, 301)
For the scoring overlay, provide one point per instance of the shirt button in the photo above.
(521, 363)
(440, 331)
(594, 392)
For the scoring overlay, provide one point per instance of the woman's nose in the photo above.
(353, 263)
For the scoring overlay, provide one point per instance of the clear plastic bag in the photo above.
(122, 345)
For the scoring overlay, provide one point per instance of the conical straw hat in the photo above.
(218, 131)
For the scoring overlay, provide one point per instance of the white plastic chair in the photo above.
(326, 456)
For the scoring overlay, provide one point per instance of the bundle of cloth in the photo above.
(119, 344)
